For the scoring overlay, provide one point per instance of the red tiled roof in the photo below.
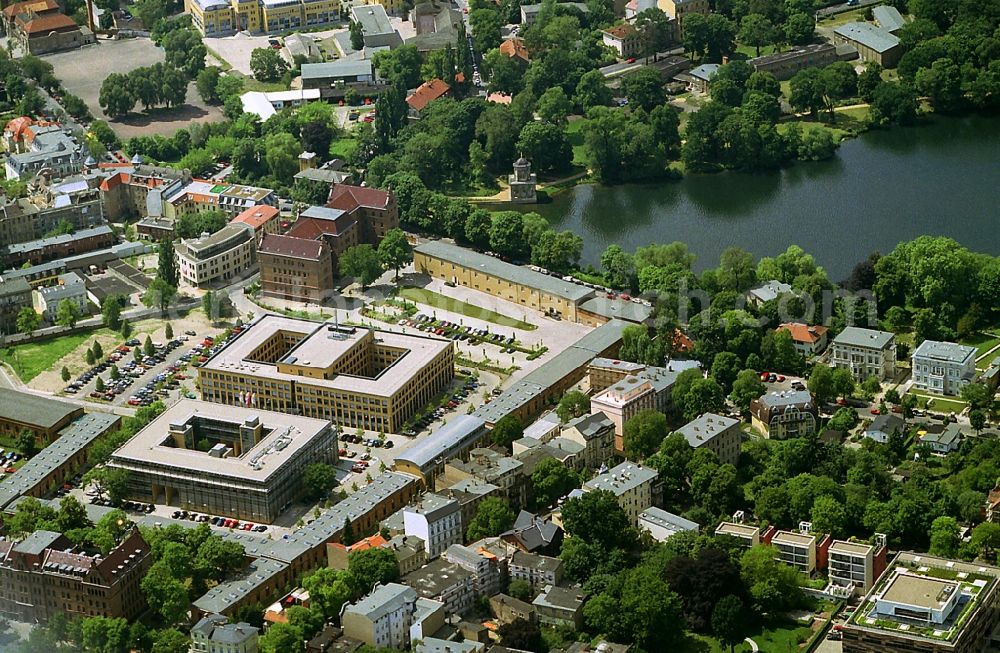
(515, 48)
(803, 332)
(48, 23)
(114, 181)
(426, 93)
(33, 6)
(257, 216)
(17, 126)
(290, 246)
(499, 98)
(347, 198)
(311, 228)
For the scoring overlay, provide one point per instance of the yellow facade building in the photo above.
(357, 378)
(226, 17)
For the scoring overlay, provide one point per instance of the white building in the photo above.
(265, 105)
(796, 549)
(943, 367)
(486, 571)
(918, 598)
(865, 352)
(631, 483)
(213, 634)
(222, 256)
(391, 616)
(662, 524)
(767, 292)
(623, 39)
(71, 288)
(437, 521)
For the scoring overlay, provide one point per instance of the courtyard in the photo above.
(83, 71)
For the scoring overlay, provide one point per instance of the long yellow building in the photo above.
(226, 17)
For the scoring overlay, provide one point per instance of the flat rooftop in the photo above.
(737, 530)
(794, 539)
(852, 548)
(919, 591)
(320, 347)
(284, 436)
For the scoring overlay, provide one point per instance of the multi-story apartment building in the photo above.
(435, 519)
(138, 190)
(927, 604)
(796, 549)
(33, 146)
(226, 254)
(491, 467)
(808, 340)
(214, 634)
(295, 268)
(391, 616)
(215, 18)
(678, 9)
(536, 570)
(238, 462)
(30, 218)
(865, 352)
(198, 195)
(446, 582)
(69, 287)
(42, 575)
(364, 378)
(60, 246)
(487, 574)
(596, 432)
(856, 564)
(631, 483)
(716, 433)
(943, 368)
(785, 414)
(15, 294)
(560, 606)
(622, 401)
(746, 533)
(263, 219)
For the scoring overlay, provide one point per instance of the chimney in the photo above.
(725, 60)
(90, 17)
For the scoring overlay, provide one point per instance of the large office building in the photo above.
(223, 256)
(355, 377)
(238, 462)
(943, 368)
(927, 604)
(226, 17)
(44, 575)
(865, 352)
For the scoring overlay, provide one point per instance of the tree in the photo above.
(168, 332)
(557, 251)
(112, 482)
(116, 98)
(486, 26)
(282, 638)
(521, 590)
(170, 640)
(977, 418)
(644, 433)
(329, 589)
(844, 420)
(26, 443)
(28, 320)
(67, 313)
(704, 396)
(401, 66)
(977, 395)
(573, 404)
(843, 382)
(592, 91)
(89, 357)
(644, 88)
(395, 251)
(357, 35)
(746, 387)
(492, 518)
(64, 374)
(111, 311)
(318, 479)
(821, 384)
(986, 539)
(372, 566)
(942, 83)
(507, 429)
(655, 29)
(362, 263)
(828, 516)
(640, 607)
(99, 384)
(507, 234)
(945, 537)
(551, 481)
(105, 634)
(546, 145)
(773, 585)
(167, 595)
(521, 634)
(725, 369)
(553, 106)
(799, 27)
(869, 80)
(98, 350)
(893, 104)
(597, 518)
(806, 91)
(267, 65)
(160, 293)
(756, 31)
(729, 621)
(207, 84)
(147, 347)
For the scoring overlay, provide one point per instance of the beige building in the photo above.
(357, 378)
(749, 535)
(853, 564)
(786, 414)
(716, 433)
(490, 467)
(796, 549)
(596, 433)
(392, 616)
(223, 256)
(295, 268)
(678, 9)
(488, 274)
(622, 401)
(631, 483)
(865, 352)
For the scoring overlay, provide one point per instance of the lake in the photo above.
(939, 178)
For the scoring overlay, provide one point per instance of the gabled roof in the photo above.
(292, 247)
(886, 424)
(347, 197)
(257, 216)
(48, 23)
(868, 35)
(31, 6)
(426, 93)
(515, 48)
(804, 333)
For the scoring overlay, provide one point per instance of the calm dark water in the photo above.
(941, 178)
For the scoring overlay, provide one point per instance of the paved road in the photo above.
(836, 9)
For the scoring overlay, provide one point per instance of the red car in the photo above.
(780, 378)
(876, 411)
(10, 470)
(841, 401)
(764, 376)
(630, 60)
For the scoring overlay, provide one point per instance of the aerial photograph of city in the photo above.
(481, 326)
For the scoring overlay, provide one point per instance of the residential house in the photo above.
(470, 493)
(490, 467)
(678, 9)
(338, 554)
(596, 432)
(410, 552)
(768, 292)
(515, 49)
(624, 39)
(808, 340)
(700, 77)
(436, 520)
(796, 549)
(15, 294)
(445, 582)
(749, 535)
(631, 483)
(716, 433)
(560, 606)
(391, 616)
(534, 534)
(214, 634)
(487, 574)
(945, 441)
(856, 564)
(883, 427)
(506, 609)
(70, 287)
(661, 524)
(866, 352)
(873, 43)
(943, 368)
(785, 414)
(536, 570)
(424, 95)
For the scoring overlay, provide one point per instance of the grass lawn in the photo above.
(431, 298)
(751, 51)
(251, 84)
(781, 638)
(983, 342)
(837, 20)
(343, 147)
(31, 359)
(940, 404)
(574, 131)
